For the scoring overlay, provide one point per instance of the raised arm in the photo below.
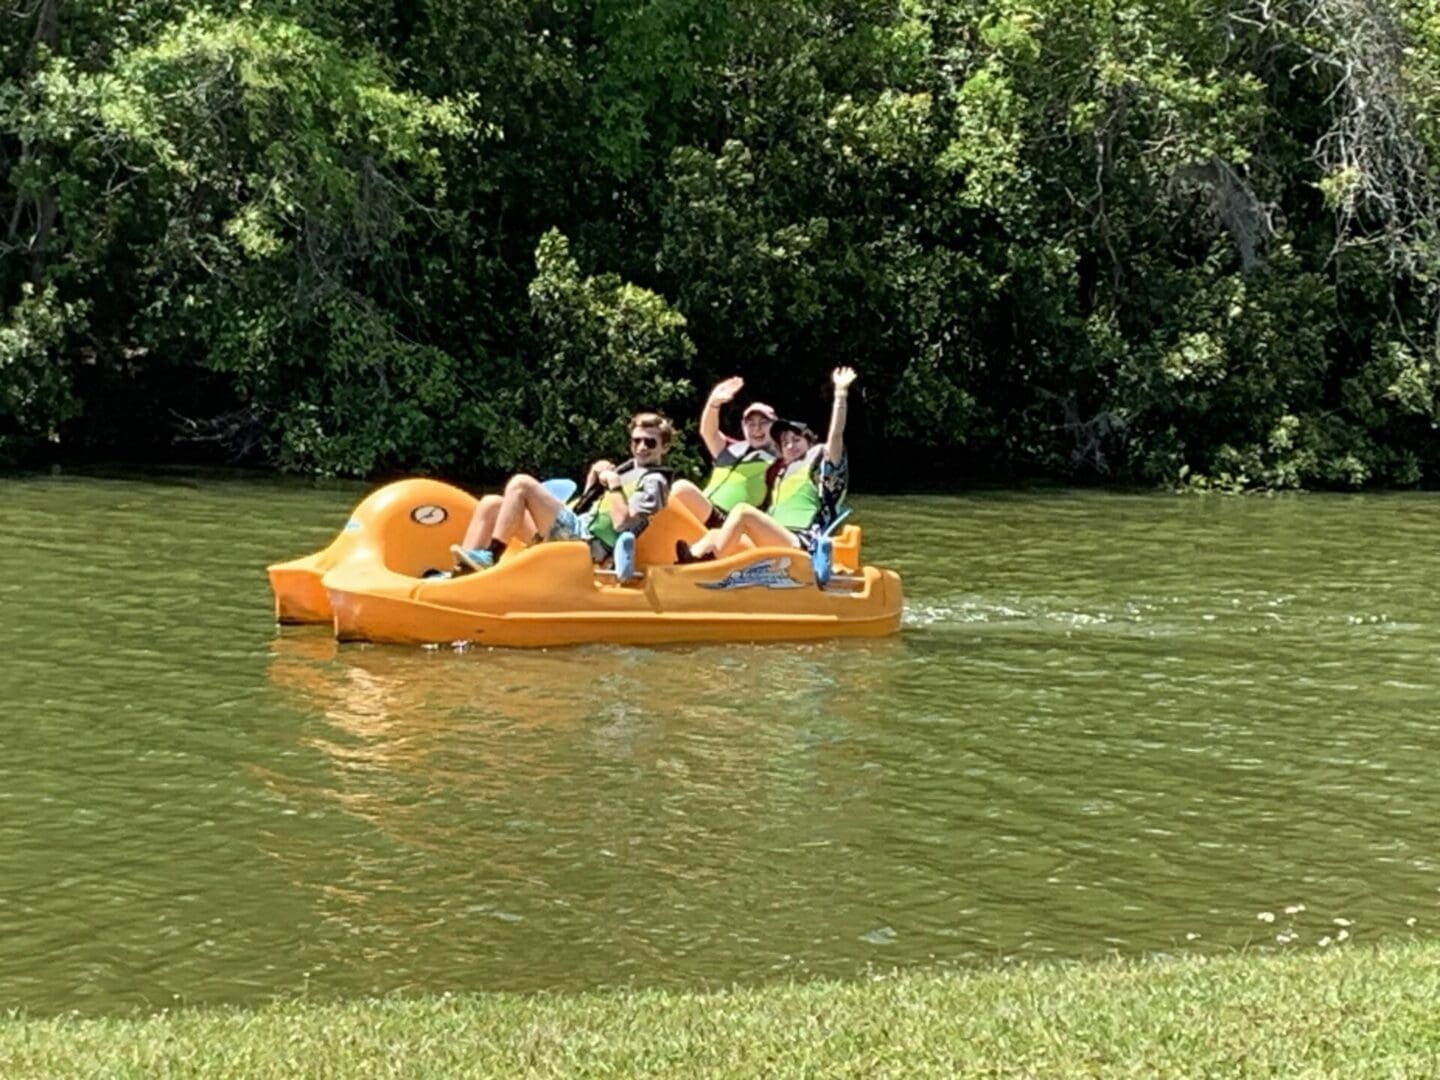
(842, 377)
(710, 432)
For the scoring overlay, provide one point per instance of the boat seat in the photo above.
(655, 546)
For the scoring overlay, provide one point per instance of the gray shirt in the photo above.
(651, 493)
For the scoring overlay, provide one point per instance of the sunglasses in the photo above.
(649, 442)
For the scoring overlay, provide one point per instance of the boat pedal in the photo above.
(822, 560)
(625, 557)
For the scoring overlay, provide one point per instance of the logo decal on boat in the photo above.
(429, 514)
(770, 574)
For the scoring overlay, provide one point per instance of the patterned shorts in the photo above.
(568, 526)
(807, 536)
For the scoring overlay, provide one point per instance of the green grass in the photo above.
(1346, 1013)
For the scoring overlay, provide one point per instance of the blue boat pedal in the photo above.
(822, 560)
(625, 557)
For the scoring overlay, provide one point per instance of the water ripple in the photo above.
(1112, 723)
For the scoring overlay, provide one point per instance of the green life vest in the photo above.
(795, 502)
(740, 482)
(799, 501)
(601, 527)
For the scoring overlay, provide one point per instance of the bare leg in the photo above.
(692, 498)
(526, 502)
(744, 522)
(482, 521)
(761, 530)
(716, 539)
(704, 546)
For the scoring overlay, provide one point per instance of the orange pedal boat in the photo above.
(370, 583)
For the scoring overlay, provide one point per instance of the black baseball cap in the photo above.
(779, 427)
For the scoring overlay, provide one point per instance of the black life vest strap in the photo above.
(591, 495)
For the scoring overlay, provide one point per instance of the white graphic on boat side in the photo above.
(770, 574)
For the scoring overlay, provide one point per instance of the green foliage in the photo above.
(603, 350)
(264, 196)
(1158, 241)
(35, 393)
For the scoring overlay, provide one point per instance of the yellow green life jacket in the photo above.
(742, 481)
(797, 500)
(601, 527)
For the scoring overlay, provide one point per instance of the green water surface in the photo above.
(1111, 724)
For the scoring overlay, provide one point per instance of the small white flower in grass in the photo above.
(1192, 936)
(1410, 921)
(1294, 909)
(1266, 916)
(1342, 922)
(1342, 935)
(1324, 942)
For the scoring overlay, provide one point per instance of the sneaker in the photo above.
(625, 556)
(473, 558)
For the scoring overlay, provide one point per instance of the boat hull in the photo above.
(763, 595)
(375, 582)
(409, 524)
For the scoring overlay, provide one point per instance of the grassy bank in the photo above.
(1350, 1013)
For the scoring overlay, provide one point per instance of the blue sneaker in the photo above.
(822, 560)
(625, 557)
(474, 558)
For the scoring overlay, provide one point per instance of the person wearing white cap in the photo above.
(809, 484)
(740, 464)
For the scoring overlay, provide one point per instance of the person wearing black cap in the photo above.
(807, 487)
(741, 465)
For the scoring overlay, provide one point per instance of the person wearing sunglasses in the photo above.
(807, 486)
(616, 499)
(740, 464)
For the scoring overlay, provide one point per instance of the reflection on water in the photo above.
(1111, 724)
(619, 805)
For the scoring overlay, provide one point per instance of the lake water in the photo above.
(1111, 724)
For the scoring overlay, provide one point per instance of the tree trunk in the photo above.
(44, 206)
